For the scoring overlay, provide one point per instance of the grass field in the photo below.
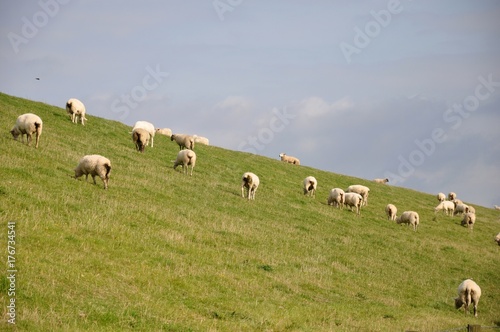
(160, 250)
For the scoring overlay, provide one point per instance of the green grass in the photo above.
(162, 251)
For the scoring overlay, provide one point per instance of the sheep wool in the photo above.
(141, 138)
(310, 185)
(185, 158)
(76, 109)
(391, 211)
(410, 218)
(250, 182)
(354, 200)
(148, 126)
(289, 159)
(164, 131)
(94, 165)
(359, 189)
(447, 206)
(468, 293)
(336, 198)
(441, 197)
(27, 124)
(469, 220)
(184, 141)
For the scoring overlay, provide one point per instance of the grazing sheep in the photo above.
(353, 200)
(468, 293)
(75, 109)
(336, 198)
(27, 124)
(164, 131)
(446, 206)
(289, 159)
(410, 218)
(471, 209)
(148, 127)
(185, 158)
(94, 165)
(184, 141)
(249, 181)
(141, 138)
(496, 207)
(310, 185)
(383, 181)
(452, 196)
(457, 201)
(441, 197)
(359, 189)
(461, 209)
(391, 211)
(201, 140)
(469, 220)
(497, 239)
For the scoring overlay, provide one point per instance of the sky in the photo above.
(404, 90)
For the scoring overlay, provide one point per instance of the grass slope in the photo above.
(164, 251)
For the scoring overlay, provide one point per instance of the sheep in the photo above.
(184, 141)
(457, 201)
(452, 196)
(359, 189)
(468, 293)
(185, 158)
(94, 165)
(446, 206)
(27, 124)
(391, 211)
(310, 185)
(289, 159)
(164, 131)
(251, 182)
(201, 140)
(353, 200)
(141, 138)
(497, 239)
(410, 218)
(148, 127)
(496, 207)
(471, 209)
(383, 181)
(469, 220)
(461, 209)
(75, 109)
(441, 197)
(336, 198)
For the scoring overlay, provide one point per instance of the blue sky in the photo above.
(408, 90)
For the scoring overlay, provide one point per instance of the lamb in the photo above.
(469, 220)
(186, 158)
(391, 211)
(441, 197)
(383, 181)
(148, 127)
(201, 140)
(164, 131)
(468, 293)
(141, 138)
(353, 200)
(249, 181)
(359, 189)
(94, 165)
(452, 196)
(497, 239)
(410, 218)
(289, 159)
(310, 185)
(446, 206)
(336, 198)
(461, 209)
(75, 109)
(184, 141)
(27, 124)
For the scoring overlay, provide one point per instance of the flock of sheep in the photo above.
(355, 196)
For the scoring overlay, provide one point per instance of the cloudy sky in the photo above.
(408, 90)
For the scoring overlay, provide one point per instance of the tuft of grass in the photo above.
(162, 251)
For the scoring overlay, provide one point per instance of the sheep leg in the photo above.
(93, 178)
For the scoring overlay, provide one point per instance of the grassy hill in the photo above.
(160, 250)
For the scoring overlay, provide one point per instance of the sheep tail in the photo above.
(108, 169)
(37, 126)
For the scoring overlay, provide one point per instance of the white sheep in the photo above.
(164, 131)
(148, 127)
(410, 218)
(359, 189)
(497, 239)
(289, 159)
(441, 197)
(251, 182)
(141, 138)
(94, 165)
(310, 185)
(461, 209)
(184, 141)
(457, 201)
(452, 196)
(391, 211)
(353, 200)
(186, 158)
(336, 198)
(469, 220)
(447, 206)
(496, 207)
(201, 140)
(76, 109)
(383, 181)
(468, 293)
(27, 124)
(471, 209)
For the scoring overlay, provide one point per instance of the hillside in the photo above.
(162, 251)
